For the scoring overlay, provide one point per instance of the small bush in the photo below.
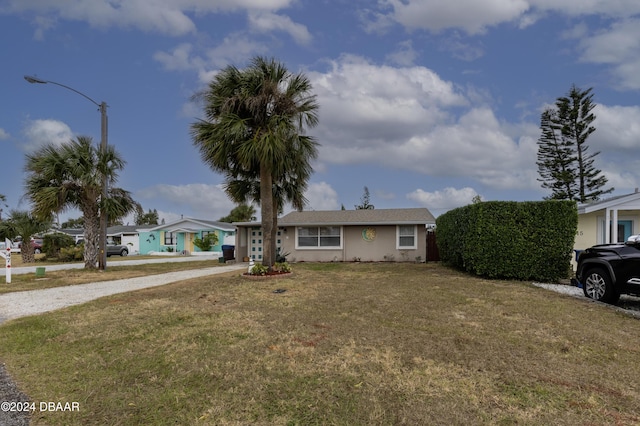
(68, 254)
(206, 243)
(282, 267)
(258, 269)
(53, 243)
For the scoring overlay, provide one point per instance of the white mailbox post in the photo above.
(7, 257)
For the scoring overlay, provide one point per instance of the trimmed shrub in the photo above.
(52, 243)
(529, 240)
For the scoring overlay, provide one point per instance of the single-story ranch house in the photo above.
(174, 237)
(623, 210)
(178, 236)
(343, 235)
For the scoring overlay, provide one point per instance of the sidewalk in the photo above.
(33, 302)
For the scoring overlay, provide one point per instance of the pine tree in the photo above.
(556, 159)
(365, 201)
(564, 164)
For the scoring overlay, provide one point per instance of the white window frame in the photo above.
(600, 236)
(318, 247)
(415, 238)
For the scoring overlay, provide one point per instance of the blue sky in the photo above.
(425, 102)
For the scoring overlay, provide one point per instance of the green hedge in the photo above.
(530, 240)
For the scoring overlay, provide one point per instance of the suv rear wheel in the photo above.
(598, 286)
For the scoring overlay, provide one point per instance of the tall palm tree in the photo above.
(70, 176)
(3, 200)
(253, 132)
(24, 224)
(287, 188)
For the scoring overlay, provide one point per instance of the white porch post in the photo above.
(614, 226)
(607, 226)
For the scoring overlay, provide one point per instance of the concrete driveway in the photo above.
(110, 262)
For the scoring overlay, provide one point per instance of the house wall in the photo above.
(586, 235)
(354, 246)
(149, 243)
(132, 241)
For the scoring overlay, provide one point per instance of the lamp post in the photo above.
(102, 106)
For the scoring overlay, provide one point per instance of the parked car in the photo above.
(117, 250)
(36, 244)
(112, 249)
(606, 271)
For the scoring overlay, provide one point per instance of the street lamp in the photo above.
(102, 260)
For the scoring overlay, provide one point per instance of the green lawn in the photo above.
(347, 344)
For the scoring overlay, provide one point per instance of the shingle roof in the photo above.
(192, 225)
(411, 216)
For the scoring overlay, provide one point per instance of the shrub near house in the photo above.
(502, 239)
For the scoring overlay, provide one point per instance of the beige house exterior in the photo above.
(343, 236)
(623, 210)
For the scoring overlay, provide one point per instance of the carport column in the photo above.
(607, 226)
(614, 226)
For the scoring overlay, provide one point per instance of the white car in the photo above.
(14, 247)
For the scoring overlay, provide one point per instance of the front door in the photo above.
(625, 228)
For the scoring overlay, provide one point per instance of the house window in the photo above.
(319, 237)
(406, 237)
(169, 238)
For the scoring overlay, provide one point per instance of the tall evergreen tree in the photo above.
(365, 201)
(556, 160)
(564, 163)
(149, 218)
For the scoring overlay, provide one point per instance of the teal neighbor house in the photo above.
(179, 236)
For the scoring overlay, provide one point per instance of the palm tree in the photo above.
(253, 133)
(24, 224)
(3, 200)
(70, 176)
(289, 187)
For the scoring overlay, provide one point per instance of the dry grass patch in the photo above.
(345, 344)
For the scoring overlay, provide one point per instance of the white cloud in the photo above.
(268, 22)
(410, 119)
(321, 196)
(617, 128)
(162, 16)
(201, 201)
(440, 201)
(404, 55)
(473, 16)
(476, 16)
(3, 134)
(40, 132)
(618, 46)
(179, 59)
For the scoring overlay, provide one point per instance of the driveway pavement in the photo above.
(110, 262)
(33, 302)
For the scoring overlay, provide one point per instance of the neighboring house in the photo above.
(178, 236)
(76, 233)
(343, 235)
(126, 235)
(623, 210)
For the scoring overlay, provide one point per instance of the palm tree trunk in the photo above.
(274, 230)
(91, 235)
(266, 201)
(27, 252)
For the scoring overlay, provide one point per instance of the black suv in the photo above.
(606, 271)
